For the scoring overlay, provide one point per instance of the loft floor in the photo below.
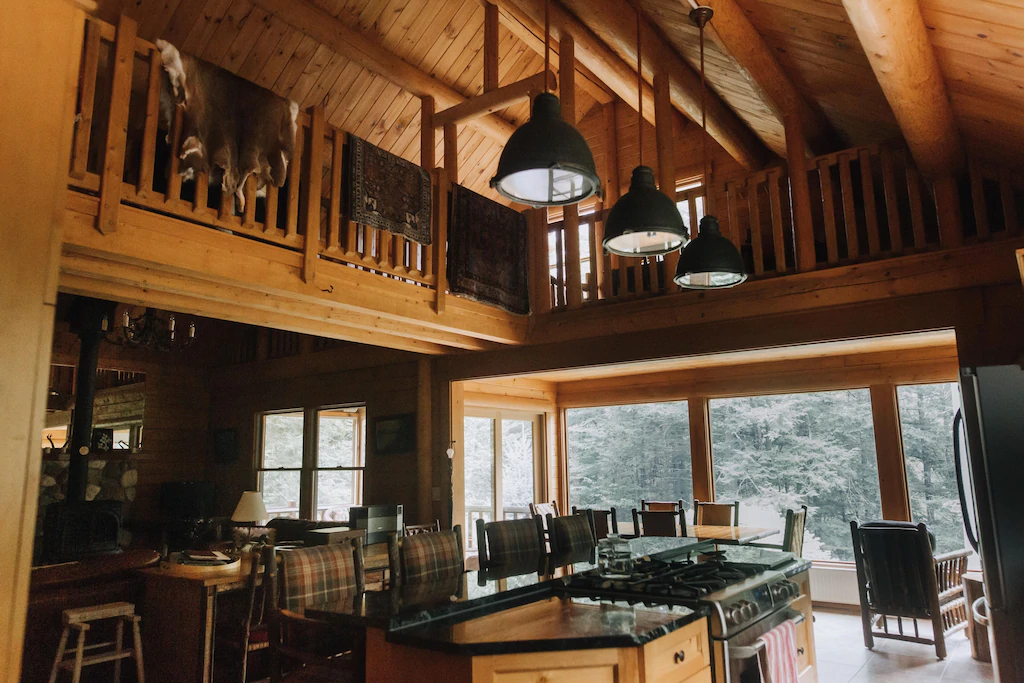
(842, 657)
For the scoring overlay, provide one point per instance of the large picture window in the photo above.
(618, 455)
(926, 419)
(773, 453)
(318, 468)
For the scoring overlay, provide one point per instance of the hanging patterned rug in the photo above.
(487, 251)
(387, 192)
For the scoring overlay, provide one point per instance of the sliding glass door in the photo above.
(502, 467)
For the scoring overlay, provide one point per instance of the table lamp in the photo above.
(250, 510)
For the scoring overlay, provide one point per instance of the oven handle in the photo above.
(748, 651)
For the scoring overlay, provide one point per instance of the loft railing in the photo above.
(867, 203)
(122, 153)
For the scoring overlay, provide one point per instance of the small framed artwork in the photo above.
(102, 440)
(394, 434)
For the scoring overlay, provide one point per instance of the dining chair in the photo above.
(432, 527)
(572, 537)
(605, 521)
(899, 576)
(716, 514)
(306, 577)
(429, 557)
(512, 543)
(793, 534)
(242, 626)
(545, 509)
(661, 506)
(658, 523)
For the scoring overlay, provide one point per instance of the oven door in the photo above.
(740, 652)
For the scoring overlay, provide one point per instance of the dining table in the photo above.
(728, 535)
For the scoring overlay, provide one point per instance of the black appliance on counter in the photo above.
(993, 416)
(378, 520)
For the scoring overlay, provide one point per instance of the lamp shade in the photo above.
(250, 508)
(644, 221)
(710, 260)
(546, 162)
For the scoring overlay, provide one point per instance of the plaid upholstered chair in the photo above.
(302, 578)
(426, 557)
(604, 521)
(515, 543)
(572, 538)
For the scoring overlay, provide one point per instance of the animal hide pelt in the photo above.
(228, 123)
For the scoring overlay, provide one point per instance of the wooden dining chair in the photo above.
(605, 521)
(425, 557)
(413, 529)
(512, 544)
(243, 626)
(899, 576)
(793, 534)
(545, 509)
(661, 506)
(658, 523)
(716, 514)
(572, 537)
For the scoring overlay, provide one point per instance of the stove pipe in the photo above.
(89, 318)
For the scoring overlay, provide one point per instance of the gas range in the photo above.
(740, 593)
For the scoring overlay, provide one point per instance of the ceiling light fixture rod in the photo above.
(547, 44)
(640, 86)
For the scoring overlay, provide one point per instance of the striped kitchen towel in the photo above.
(779, 654)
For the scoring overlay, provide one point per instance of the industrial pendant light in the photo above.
(710, 260)
(546, 162)
(645, 221)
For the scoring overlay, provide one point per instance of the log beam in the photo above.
(364, 51)
(896, 42)
(494, 100)
(610, 50)
(731, 29)
(491, 55)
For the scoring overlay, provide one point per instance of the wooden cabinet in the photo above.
(805, 653)
(574, 666)
(677, 656)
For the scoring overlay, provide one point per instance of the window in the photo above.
(926, 420)
(502, 466)
(325, 481)
(773, 453)
(620, 454)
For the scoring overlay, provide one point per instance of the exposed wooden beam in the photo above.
(896, 42)
(732, 30)
(494, 100)
(491, 55)
(336, 35)
(606, 44)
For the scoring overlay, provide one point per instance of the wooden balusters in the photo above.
(870, 210)
(117, 126)
(334, 208)
(441, 188)
(291, 226)
(849, 208)
(146, 161)
(916, 207)
(249, 192)
(754, 204)
(86, 99)
(173, 177)
(978, 199)
(200, 200)
(892, 203)
(311, 232)
(1009, 202)
(828, 210)
(732, 201)
(270, 220)
(775, 202)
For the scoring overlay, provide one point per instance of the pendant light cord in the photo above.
(704, 122)
(640, 85)
(547, 45)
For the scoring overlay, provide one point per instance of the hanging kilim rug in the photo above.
(387, 192)
(487, 251)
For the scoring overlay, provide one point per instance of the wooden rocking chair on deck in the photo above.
(898, 576)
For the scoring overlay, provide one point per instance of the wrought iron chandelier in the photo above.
(152, 331)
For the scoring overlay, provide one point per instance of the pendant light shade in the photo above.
(546, 162)
(644, 221)
(710, 260)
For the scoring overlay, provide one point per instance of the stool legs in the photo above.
(118, 646)
(137, 642)
(60, 654)
(76, 673)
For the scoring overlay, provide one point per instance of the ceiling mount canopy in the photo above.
(546, 162)
(645, 221)
(710, 260)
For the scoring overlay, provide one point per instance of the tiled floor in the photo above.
(842, 657)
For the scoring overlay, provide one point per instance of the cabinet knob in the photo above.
(680, 656)
(799, 650)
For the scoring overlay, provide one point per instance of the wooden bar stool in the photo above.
(78, 620)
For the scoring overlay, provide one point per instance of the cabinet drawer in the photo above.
(803, 647)
(678, 656)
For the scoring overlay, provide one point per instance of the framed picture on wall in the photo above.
(394, 434)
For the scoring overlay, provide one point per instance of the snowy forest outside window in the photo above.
(774, 453)
(620, 454)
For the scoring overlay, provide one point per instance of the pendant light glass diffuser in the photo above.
(645, 221)
(546, 162)
(710, 260)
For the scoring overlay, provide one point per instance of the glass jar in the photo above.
(614, 558)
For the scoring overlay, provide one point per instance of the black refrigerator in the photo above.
(993, 412)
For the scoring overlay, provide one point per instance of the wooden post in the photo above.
(892, 473)
(700, 448)
(607, 262)
(570, 214)
(778, 235)
(428, 141)
(334, 211)
(947, 207)
(87, 97)
(451, 152)
(540, 283)
(663, 115)
(311, 237)
(40, 47)
(424, 447)
(799, 195)
(490, 46)
(117, 126)
(440, 238)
